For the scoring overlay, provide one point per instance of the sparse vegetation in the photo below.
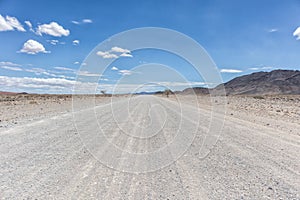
(259, 97)
(103, 92)
(167, 92)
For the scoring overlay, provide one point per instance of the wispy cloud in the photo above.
(53, 29)
(273, 30)
(9, 64)
(64, 68)
(125, 72)
(10, 23)
(35, 83)
(126, 55)
(33, 47)
(297, 33)
(260, 68)
(76, 42)
(53, 42)
(86, 73)
(83, 21)
(230, 71)
(115, 52)
(11, 68)
(28, 23)
(87, 21)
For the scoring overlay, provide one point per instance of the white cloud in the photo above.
(50, 73)
(75, 22)
(297, 33)
(119, 50)
(254, 68)
(53, 42)
(64, 68)
(260, 68)
(53, 29)
(33, 47)
(87, 21)
(10, 23)
(28, 23)
(125, 72)
(57, 84)
(76, 42)
(114, 69)
(86, 73)
(273, 30)
(84, 21)
(230, 71)
(126, 55)
(106, 54)
(76, 63)
(9, 64)
(11, 68)
(115, 52)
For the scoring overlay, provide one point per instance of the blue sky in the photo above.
(240, 36)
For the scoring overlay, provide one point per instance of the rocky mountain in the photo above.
(274, 82)
(196, 90)
(260, 83)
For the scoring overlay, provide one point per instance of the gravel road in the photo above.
(148, 147)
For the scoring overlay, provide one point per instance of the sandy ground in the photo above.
(48, 152)
(278, 112)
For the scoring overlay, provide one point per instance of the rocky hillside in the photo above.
(259, 83)
(196, 90)
(274, 82)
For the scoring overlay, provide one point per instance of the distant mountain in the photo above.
(196, 90)
(274, 82)
(11, 93)
(259, 83)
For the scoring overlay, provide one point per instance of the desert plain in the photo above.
(50, 149)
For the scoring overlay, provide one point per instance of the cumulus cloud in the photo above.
(115, 52)
(119, 50)
(53, 29)
(230, 71)
(10, 23)
(297, 33)
(114, 69)
(83, 21)
(106, 54)
(76, 42)
(33, 47)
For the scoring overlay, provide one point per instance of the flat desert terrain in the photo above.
(149, 147)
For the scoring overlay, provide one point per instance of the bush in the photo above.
(258, 97)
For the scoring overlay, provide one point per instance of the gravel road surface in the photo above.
(148, 147)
